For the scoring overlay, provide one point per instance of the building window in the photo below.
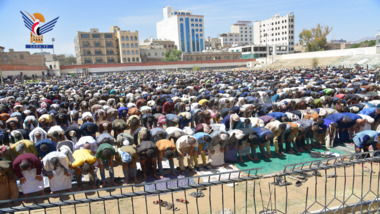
(196, 20)
(192, 25)
(133, 59)
(86, 44)
(131, 38)
(109, 44)
(133, 52)
(196, 25)
(200, 30)
(96, 44)
(108, 35)
(5, 57)
(187, 13)
(123, 45)
(85, 36)
(148, 54)
(128, 53)
(99, 60)
(98, 52)
(21, 56)
(135, 38)
(196, 30)
(124, 52)
(129, 59)
(132, 46)
(87, 61)
(137, 52)
(122, 38)
(192, 20)
(111, 59)
(127, 45)
(136, 45)
(200, 25)
(124, 59)
(126, 38)
(181, 19)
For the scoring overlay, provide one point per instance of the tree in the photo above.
(174, 55)
(196, 68)
(66, 59)
(316, 38)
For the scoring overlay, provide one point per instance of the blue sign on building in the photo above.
(39, 46)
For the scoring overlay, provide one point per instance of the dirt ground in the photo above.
(255, 196)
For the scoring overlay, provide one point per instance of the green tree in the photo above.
(66, 59)
(174, 55)
(196, 68)
(315, 39)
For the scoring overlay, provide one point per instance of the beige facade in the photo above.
(167, 44)
(210, 56)
(115, 46)
(96, 48)
(20, 58)
(128, 45)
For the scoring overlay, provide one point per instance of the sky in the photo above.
(351, 20)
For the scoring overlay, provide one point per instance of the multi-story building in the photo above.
(229, 39)
(20, 58)
(241, 34)
(182, 27)
(94, 47)
(278, 30)
(167, 44)
(245, 31)
(213, 43)
(152, 51)
(116, 46)
(127, 44)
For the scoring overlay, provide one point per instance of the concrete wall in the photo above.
(331, 53)
(24, 72)
(156, 66)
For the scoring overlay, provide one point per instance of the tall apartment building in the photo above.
(128, 45)
(278, 30)
(241, 34)
(116, 46)
(182, 27)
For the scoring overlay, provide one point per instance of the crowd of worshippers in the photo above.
(72, 127)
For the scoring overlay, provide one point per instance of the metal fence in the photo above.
(345, 184)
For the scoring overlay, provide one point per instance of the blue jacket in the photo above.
(365, 138)
(262, 133)
(277, 115)
(369, 111)
(51, 145)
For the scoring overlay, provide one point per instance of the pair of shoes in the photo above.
(197, 194)
(182, 200)
(170, 206)
(280, 182)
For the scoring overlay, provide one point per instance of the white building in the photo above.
(278, 30)
(378, 43)
(258, 51)
(241, 34)
(182, 27)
